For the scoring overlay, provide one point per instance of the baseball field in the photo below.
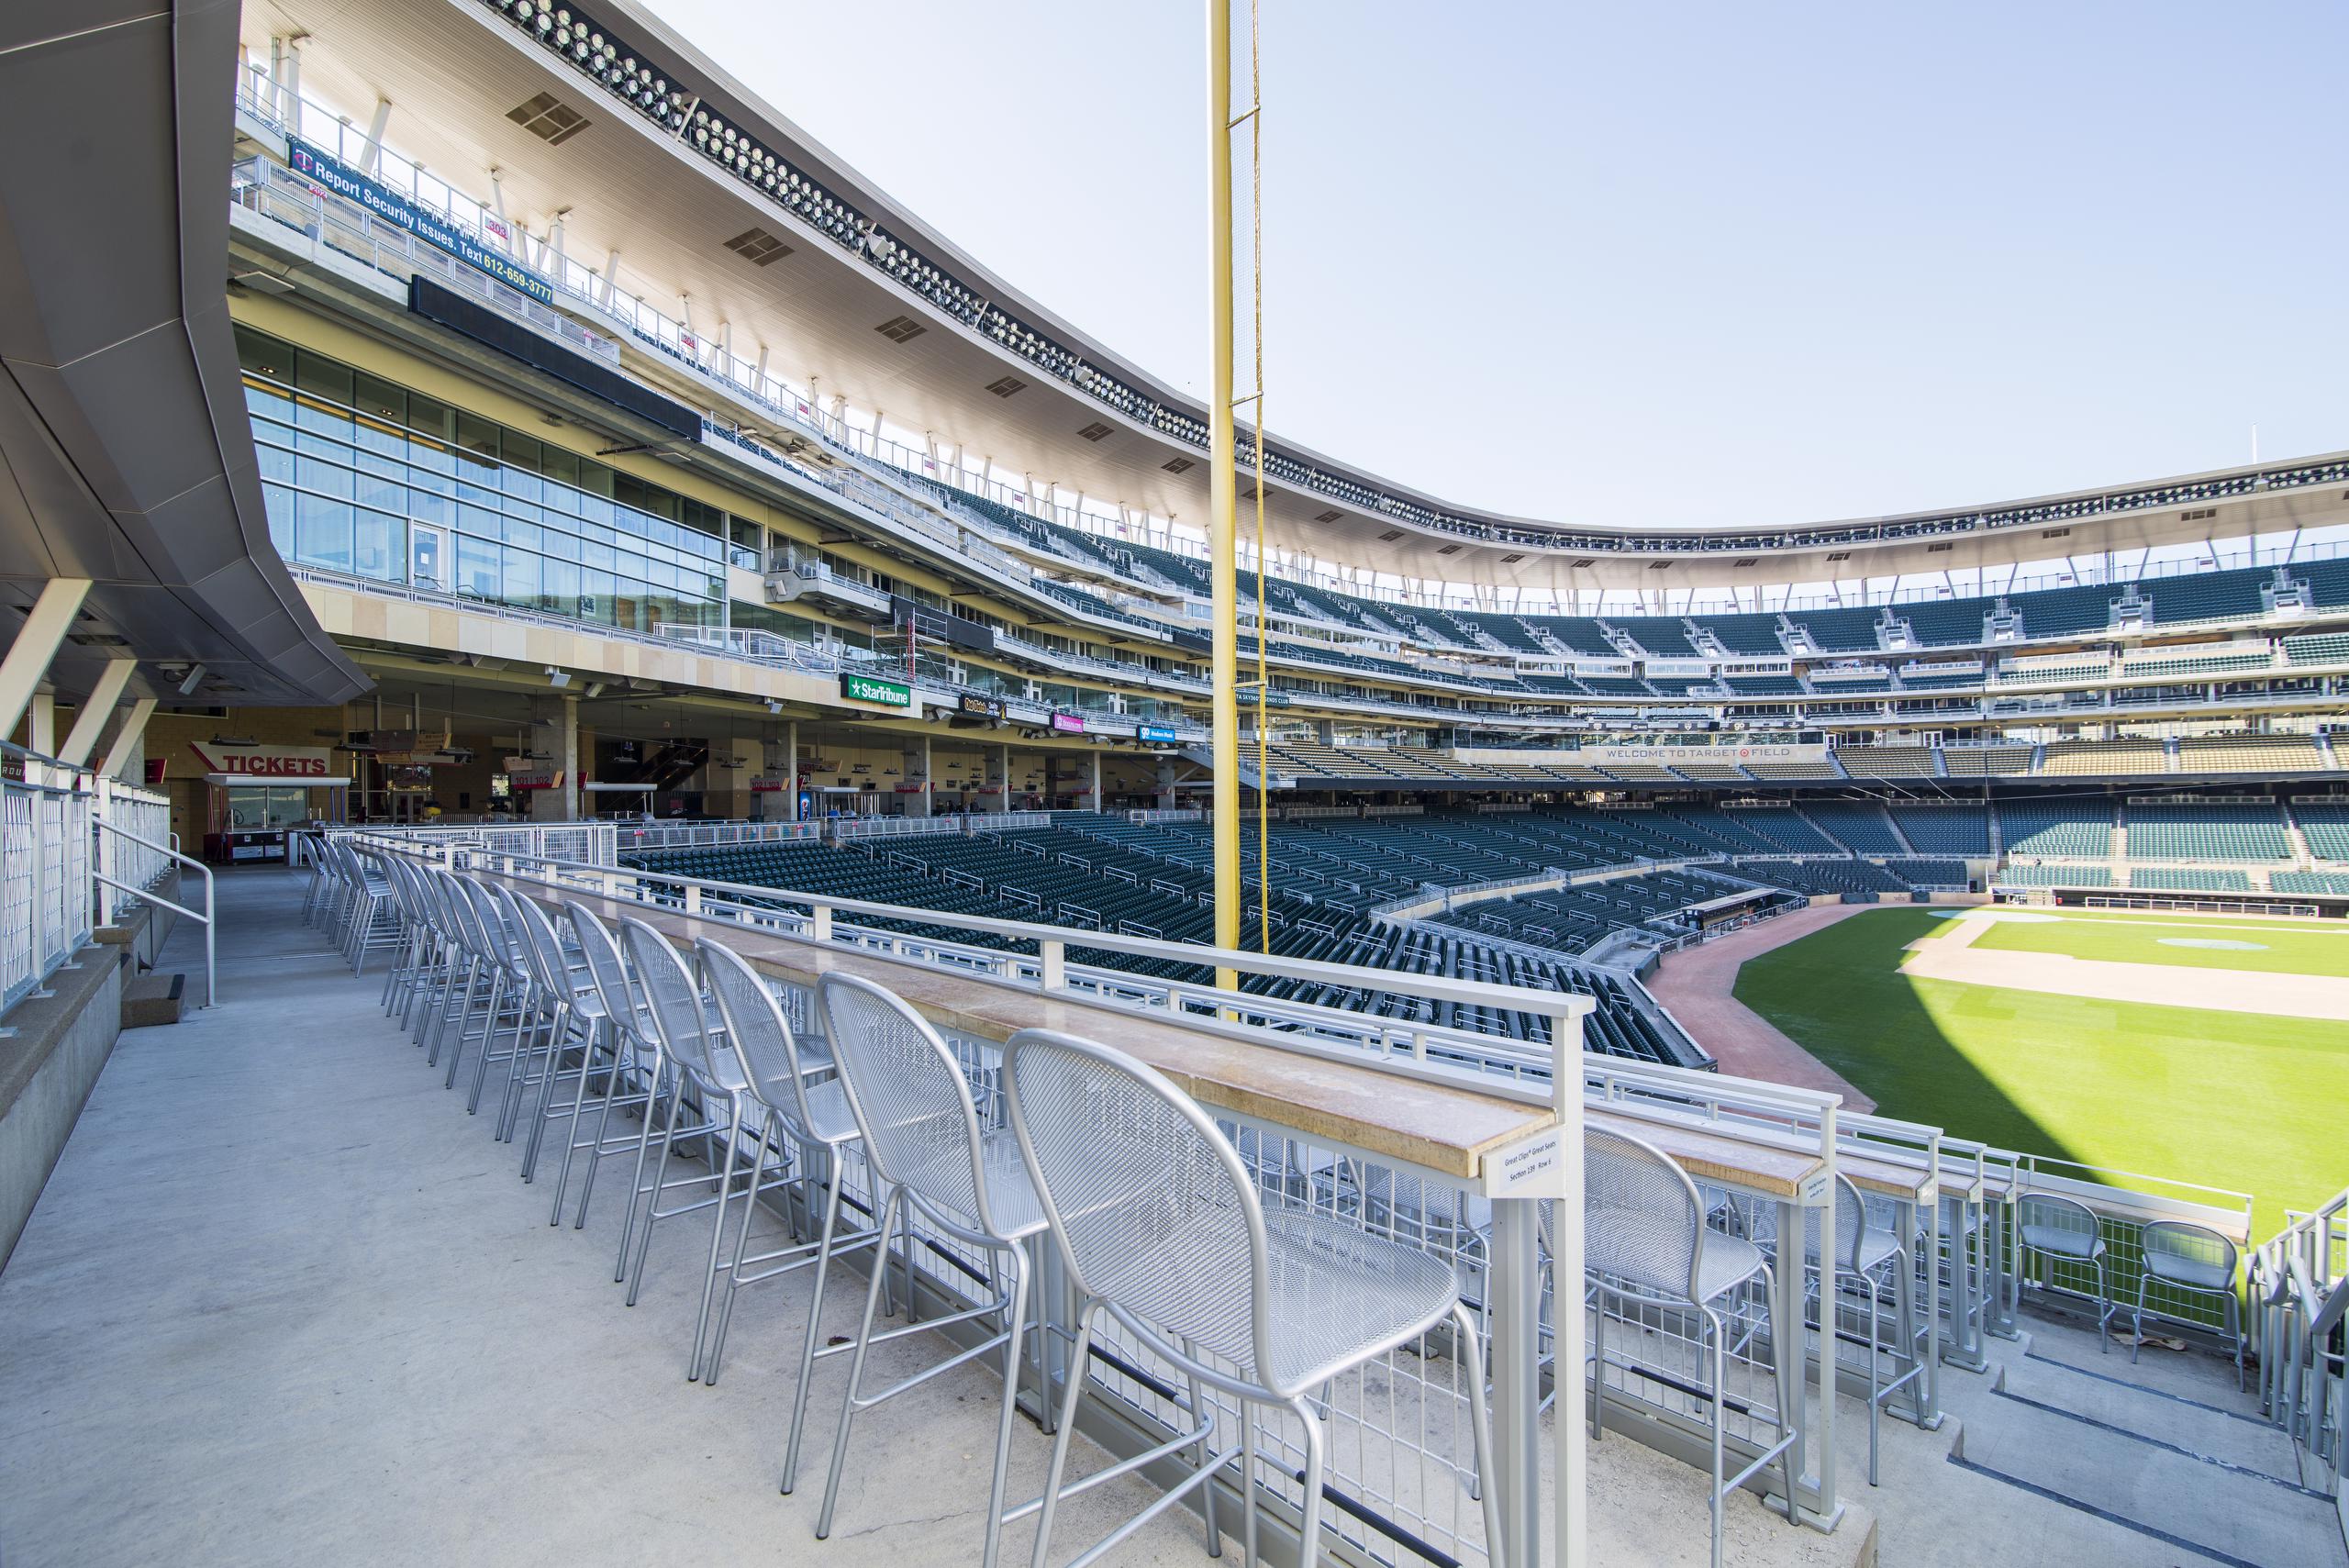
(2197, 1048)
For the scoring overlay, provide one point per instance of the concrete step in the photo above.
(2195, 1506)
(2214, 1424)
(153, 1000)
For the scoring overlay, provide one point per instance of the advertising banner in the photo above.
(882, 693)
(1155, 734)
(1069, 723)
(263, 762)
(329, 173)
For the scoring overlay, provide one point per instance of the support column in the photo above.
(127, 757)
(791, 772)
(916, 771)
(95, 709)
(1004, 756)
(748, 756)
(557, 738)
(37, 641)
(1094, 803)
(1165, 783)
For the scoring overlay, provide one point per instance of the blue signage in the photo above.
(332, 173)
(1155, 734)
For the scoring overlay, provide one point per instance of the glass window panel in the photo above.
(559, 465)
(521, 585)
(477, 567)
(322, 531)
(381, 546)
(279, 502)
(326, 476)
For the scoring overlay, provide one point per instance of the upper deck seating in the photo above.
(1945, 830)
(1858, 826)
(1751, 633)
(1888, 761)
(1944, 623)
(2250, 754)
(2065, 612)
(1665, 637)
(2074, 829)
(2207, 830)
(2128, 755)
(2325, 825)
(1846, 629)
(1985, 762)
(2209, 596)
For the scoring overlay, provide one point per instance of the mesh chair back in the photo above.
(605, 969)
(909, 1097)
(1642, 1222)
(541, 949)
(2059, 1225)
(756, 1031)
(666, 987)
(1851, 1223)
(2188, 1254)
(463, 918)
(489, 914)
(1150, 1206)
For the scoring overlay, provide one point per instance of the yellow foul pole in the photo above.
(1223, 577)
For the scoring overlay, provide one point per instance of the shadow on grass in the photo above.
(1839, 994)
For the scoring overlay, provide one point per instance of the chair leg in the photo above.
(1247, 1485)
(1597, 1356)
(2104, 1311)
(815, 1316)
(2137, 1319)
(1308, 1530)
(1020, 1269)
(856, 1371)
(1059, 1465)
(651, 1202)
(1876, 1405)
(1714, 1328)
(718, 1225)
(1471, 1358)
(653, 1105)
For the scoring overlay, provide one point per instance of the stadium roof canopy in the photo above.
(1065, 407)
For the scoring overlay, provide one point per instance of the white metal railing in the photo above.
(2299, 1282)
(45, 887)
(76, 851)
(846, 829)
(633, 837)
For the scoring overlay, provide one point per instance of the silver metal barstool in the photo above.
(925, 1146)
(1645, 1242)
(1870, 1261)
(2192, 1258)
(628, 1081)
(681, 1024)
(815, 1123)
(2061, 1227)
(1160, 1227)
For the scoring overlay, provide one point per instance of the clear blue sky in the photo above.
(1660, 264)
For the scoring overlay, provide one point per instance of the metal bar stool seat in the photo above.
(811, 1120)
(930, 1157)
(1159, 1220)
(2196, 1259)
(2065, 1228)
(1646, 1242)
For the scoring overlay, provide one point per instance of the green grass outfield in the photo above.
(2323, 951)
(2239, 1100)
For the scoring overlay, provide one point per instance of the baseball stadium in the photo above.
(550, 619)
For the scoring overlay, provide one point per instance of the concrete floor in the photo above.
(284, 1301)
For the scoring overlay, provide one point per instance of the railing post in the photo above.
(821, 922)
(1052, 956)
(693, 899)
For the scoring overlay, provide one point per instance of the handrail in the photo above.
(210, 925)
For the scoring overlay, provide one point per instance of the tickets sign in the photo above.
(266, 761)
